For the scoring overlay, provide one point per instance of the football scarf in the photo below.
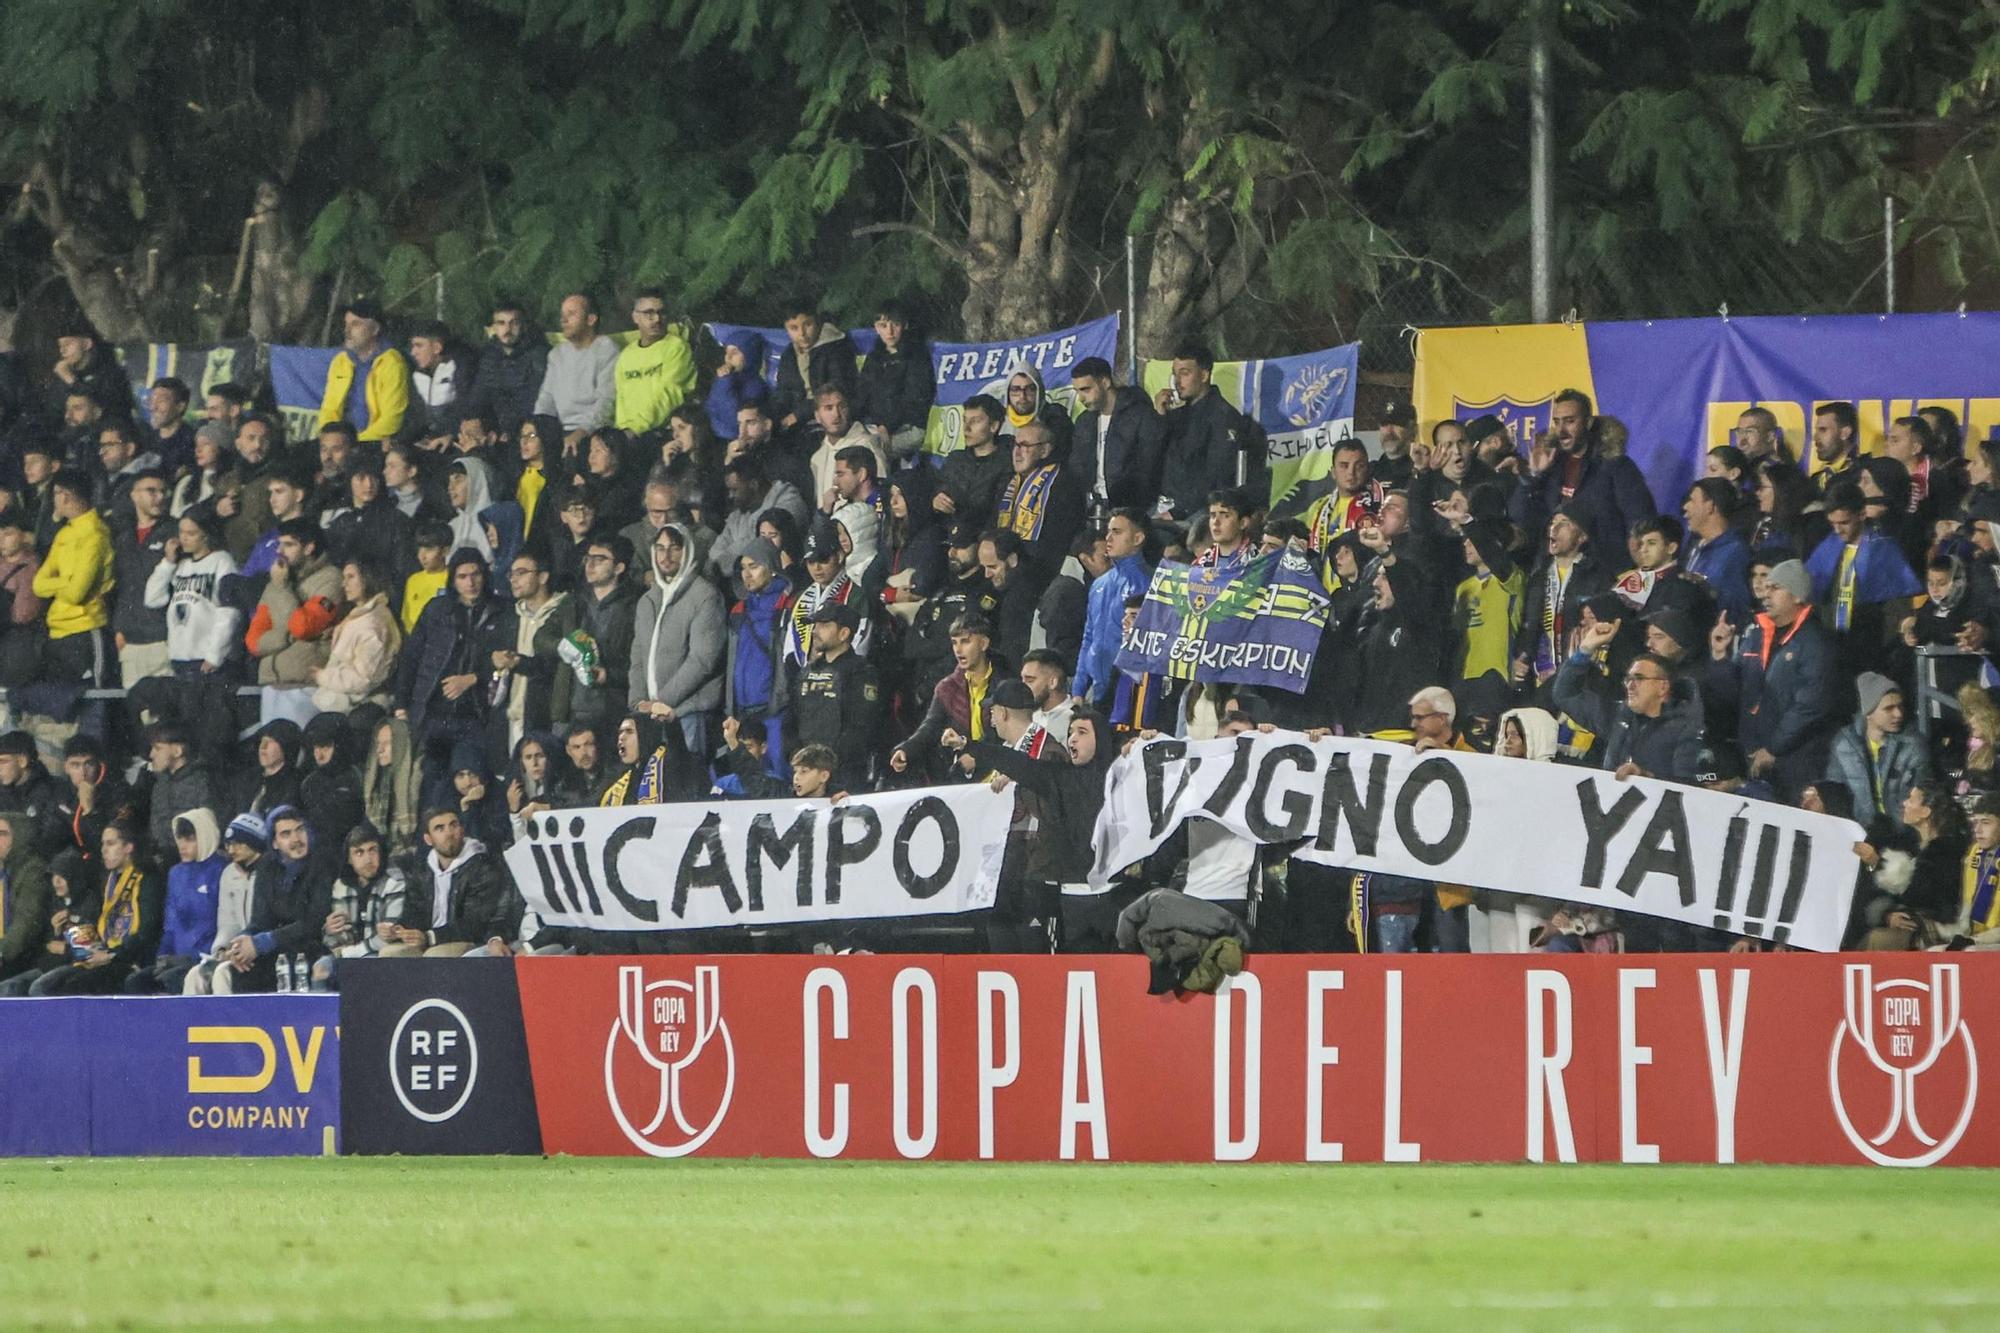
(1024, 505)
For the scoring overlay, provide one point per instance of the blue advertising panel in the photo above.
(220, 1076)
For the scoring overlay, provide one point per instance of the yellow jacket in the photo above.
(387, 390)
(77, 575)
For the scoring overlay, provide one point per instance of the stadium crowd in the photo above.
(278, 703)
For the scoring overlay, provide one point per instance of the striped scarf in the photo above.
(798, 632)
(118, 920)
(1025, 503)
(1982, 879)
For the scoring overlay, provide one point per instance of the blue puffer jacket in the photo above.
(194, 891)
(1903, 763)
(1104, 628)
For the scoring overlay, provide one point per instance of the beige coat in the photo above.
(362, 658)
(281, 659)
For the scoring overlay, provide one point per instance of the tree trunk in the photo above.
(108, 297)
(280, 291)
(1190, 238)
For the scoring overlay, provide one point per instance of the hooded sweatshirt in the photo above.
(200, 627)
(194, 891)
(737, 389)
(1070, 796)
(678, 638)
(26, 899)
(466, 529)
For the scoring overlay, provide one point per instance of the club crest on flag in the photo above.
(1524, 421)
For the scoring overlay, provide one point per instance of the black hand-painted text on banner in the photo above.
(690, 867)
(1683, 853)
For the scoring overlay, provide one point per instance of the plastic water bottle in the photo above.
(284, 964)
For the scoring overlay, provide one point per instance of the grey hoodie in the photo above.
(679, 637)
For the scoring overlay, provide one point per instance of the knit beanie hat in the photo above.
(1792, 577)
(250, 830)
(1873, 687)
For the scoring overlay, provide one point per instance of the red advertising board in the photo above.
(1703, 1058)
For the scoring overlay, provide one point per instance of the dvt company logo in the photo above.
(669, 1062)
(433, 1060)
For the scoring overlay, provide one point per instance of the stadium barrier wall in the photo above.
(1838, 1059)
(217, 1076)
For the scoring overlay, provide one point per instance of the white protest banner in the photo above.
(694, 866)
(1683, 853)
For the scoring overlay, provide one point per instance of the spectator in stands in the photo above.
(756, 440)
(402, 478)
(536, 694)
(1028, 401)
(838, 700)
(366, 906)
(611, 479)
(128, 919)
(739, 382)
(446, 667)
(958, 703)
(368, 381)
(139, 630)
(372, 527)
(750, 494)
(120, 464)
(245, 504)
(1717, 556)
(1553, 600)
(1758, 436)
(1608, 496)
(244, 845)
(819, 356)
(1209, 443)
(1860, 581)
(758, 689)
(539, 476)
(1654, 733)
(289, 633)
(579, 387)
(1486, 617)
(656, 371)
(1398, 647)
(287, 490)
(1912, 899)
(1014, 618)
(194, 889)
(606, 605)
(28, 789)
(1125, 544)
(76, 578)
(1041, 504)
(458, 899)
(1875, 758)
(1121, 438)
(678, 641)
(362, 646)
(1836, 446)
(973, 474)
(70, 902)
(1393, 431)
(826, 582)
(84, 365)
(838, 432)
(913, 538)
(279, 743)
(21, 611)
(209, 473)
(512, 366)
(692, 456)
(39, 461)
(1228, 546)
(1047, 677)
(585, 778)
(427, 584)
(1355, 500)
(180, 783)
(25, 898)
(896, 387)
(389, 784)
(469, 483)
(439, 376)
(1783, 678)
(290, 896)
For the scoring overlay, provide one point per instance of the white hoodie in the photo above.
(199, 627)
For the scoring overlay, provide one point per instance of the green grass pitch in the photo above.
(389, 1243)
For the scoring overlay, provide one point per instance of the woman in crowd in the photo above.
(389, 784)
(201, 627)
(1919, 868)
(1788, 512)
(212, 476)
(469, 483)
(539, 485)
(361, 659)
(614, 485)
(692, 456)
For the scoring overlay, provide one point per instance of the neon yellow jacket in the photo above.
(77, 575)
(387, 390)
(652, 382)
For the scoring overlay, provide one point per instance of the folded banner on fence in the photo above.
(1257, 624)
(1682, 853)
(924, 852)
(1679, 384)
(1304, 404)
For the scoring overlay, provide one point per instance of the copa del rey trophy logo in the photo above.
(669, 1063)
(1903, 1071)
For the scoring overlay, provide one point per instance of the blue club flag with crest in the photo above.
(1254, 624)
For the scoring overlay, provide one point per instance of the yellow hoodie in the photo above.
(387, 391)
(76, 576)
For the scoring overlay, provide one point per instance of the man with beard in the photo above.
(368, 382)
(927, 647)
(1566, 467)
(1566, 578)
(1121, 441)
(1836, 446)
(1398, 423)
(750, 492)
(512, 366)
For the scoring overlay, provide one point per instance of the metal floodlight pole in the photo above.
(1131, 310)
(1541, 171)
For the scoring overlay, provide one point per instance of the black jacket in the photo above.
(381, 534)
(609, 624)
(1068, 797)
(831, 362)
(896, 388)
(451, 639)
(974, 483)
(1667, 746)
(1134, 451)
(1203, 441)
(505, 386)
(1610, 497)
(291, 908)
(132, 563)
(841, 703)
(483, 903)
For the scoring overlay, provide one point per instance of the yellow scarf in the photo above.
(118, 920)
(528, 491)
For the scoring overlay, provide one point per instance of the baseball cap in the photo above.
(1012, 693)
(837, 613)
(1399, 411)
(365, 307)
(821, 544)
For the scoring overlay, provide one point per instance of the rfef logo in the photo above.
(1899, 1037)
(433, 1060)
(666, 1099)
